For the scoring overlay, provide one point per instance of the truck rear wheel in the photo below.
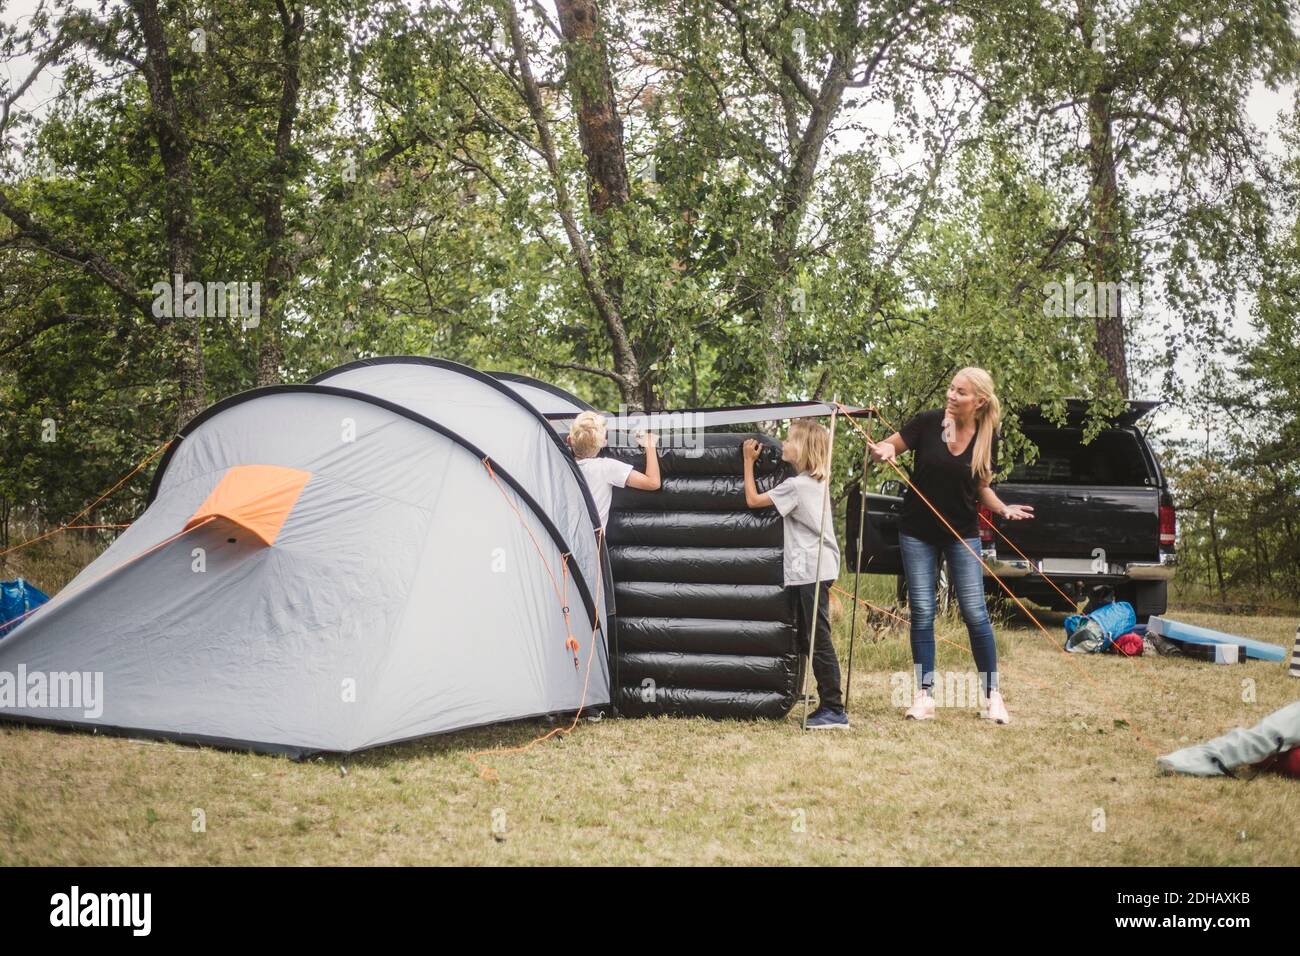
(1147, 597)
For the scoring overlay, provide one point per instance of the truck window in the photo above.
(1113, 458)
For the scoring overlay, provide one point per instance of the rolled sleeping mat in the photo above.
(654, 701)
(636, 562)
(743, 602)
(719, 454)
(696, 493)
(713, 671)
(1194, 634)
(705, 636)
(708, 529)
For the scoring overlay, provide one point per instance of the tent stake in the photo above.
(817, 583)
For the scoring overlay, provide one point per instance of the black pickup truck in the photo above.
(1104, 520)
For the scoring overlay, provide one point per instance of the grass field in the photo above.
(1072, 780)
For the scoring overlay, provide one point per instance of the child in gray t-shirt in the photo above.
(800, 501)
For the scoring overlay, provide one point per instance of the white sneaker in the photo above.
(922, 707)
(997, 710)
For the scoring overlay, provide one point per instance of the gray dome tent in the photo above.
(550, 400)
(377, 556)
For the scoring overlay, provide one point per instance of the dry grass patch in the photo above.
(953, 791)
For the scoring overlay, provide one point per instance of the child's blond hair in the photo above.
(587, 434)
(812, 447)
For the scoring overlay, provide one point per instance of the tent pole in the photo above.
(611, 623)
(817, 584)
(857, 570)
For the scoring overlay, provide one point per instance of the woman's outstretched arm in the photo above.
(889, 448)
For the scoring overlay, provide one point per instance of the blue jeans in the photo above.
(920, 563)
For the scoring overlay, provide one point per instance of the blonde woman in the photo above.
(956, 456)
(800, 501)
(587, 436)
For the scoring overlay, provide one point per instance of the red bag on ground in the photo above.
(1288, 764)
(1130, 644)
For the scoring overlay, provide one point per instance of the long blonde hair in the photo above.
(988, 418)
(812, 447)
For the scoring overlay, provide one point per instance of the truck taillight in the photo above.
(1168, 526)
(986, 525)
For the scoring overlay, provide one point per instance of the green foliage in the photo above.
(950, 196)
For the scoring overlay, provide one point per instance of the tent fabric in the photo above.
(402, 595)
(543, 396)
(501, 423)
(256, 497)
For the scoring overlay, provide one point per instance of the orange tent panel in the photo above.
(255, 497)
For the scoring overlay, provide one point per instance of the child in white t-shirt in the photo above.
(800, 501)
(586, 438)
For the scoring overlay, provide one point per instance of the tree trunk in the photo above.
(776, 320)
(626, 372)
(774, 300)
(600, 134)
(1257, 552)
(1295, 548)
(1107, 312)
(1218, 560)
(278, 271)
(695, 376)
(178, 199)
(600, 129)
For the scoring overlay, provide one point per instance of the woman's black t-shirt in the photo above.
(944, 478)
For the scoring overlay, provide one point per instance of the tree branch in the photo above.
(51, 322)
(92, 262)
(788, 67)
(592, 370)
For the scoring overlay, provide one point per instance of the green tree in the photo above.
(1139, 114)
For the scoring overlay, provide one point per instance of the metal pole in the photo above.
(817, 584)
(857, 571)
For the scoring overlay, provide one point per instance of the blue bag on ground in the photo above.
(16, 599)
(1093, 633)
